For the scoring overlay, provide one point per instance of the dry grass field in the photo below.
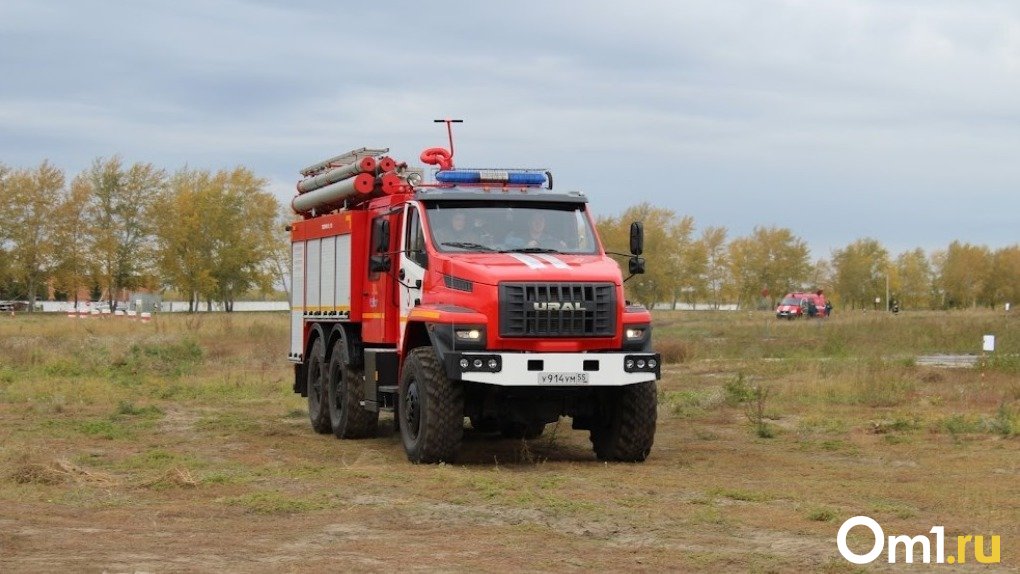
(178, 446)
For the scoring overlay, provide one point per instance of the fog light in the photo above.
(641, 363)
(652, 363)
(478, 363)
(629, 364)
(493, 363)
(464, 363)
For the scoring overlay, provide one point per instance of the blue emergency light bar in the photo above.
(507, 177)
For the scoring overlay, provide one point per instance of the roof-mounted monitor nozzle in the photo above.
(441, 157)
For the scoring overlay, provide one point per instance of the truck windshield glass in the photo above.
(522, 227)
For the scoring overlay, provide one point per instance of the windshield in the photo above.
(507, 226)
(790, 301)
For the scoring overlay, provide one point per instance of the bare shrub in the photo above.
(673, 351)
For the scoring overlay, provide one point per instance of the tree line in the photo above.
(755, 271)
(213, 236)
(209, 236)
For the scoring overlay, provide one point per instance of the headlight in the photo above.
(637, 337)
(464, 337)
(468, 335)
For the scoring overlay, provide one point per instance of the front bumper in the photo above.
(553, 369)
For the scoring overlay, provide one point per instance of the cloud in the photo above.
(737, 113)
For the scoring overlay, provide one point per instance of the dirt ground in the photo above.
(176, 481)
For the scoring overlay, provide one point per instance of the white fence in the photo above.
(167, 306)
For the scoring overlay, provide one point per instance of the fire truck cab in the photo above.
(483, 296)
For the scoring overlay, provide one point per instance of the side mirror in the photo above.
(637, 239)
(636, 265)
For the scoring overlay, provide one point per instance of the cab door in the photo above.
(380, 300)
(413, 263)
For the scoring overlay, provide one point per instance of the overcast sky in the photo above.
(897, 120)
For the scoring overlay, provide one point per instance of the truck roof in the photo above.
(496, 194)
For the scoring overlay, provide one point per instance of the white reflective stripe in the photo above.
(555, 261)
(527, 260)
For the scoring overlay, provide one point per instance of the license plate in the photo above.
(563, 378)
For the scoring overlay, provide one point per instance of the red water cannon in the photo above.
(441, 157)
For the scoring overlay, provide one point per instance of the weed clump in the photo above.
(1005, 422)
(738, 391)
(690, 403)
(822, 514)
(756, 412)
(673, 351)
(168, 359)
(1002, 363)
(903, 423)
(127, 408)
(272, 502)
(176, 477)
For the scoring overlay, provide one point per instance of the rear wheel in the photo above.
(318, 413)
(625, 429)
(345, 393)
(431, 409)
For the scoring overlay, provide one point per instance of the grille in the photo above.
(557, 309)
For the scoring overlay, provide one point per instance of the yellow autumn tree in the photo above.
(29, 197)
(767, 264)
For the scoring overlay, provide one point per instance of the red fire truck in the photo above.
(800, 304)
(481, 295)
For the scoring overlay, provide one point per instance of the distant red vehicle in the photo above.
(799, 304)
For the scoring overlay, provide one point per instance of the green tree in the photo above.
(224, 239)
(713, 244)
(247, 236)
(662, 265)
(965, 274)
(689, 259)
(1005, 284)
(118, 216)
(862, 269)
(6, 275)
(769, 263)
(29, 196)
(823, 276)
(70, 238)
(280, 260)
(913, 279)
(184, 258)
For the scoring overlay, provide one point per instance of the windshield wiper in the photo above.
(531, 250)
(467, 245)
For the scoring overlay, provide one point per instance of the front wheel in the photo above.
(625, 429)
(430, 408)
(318, 413)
